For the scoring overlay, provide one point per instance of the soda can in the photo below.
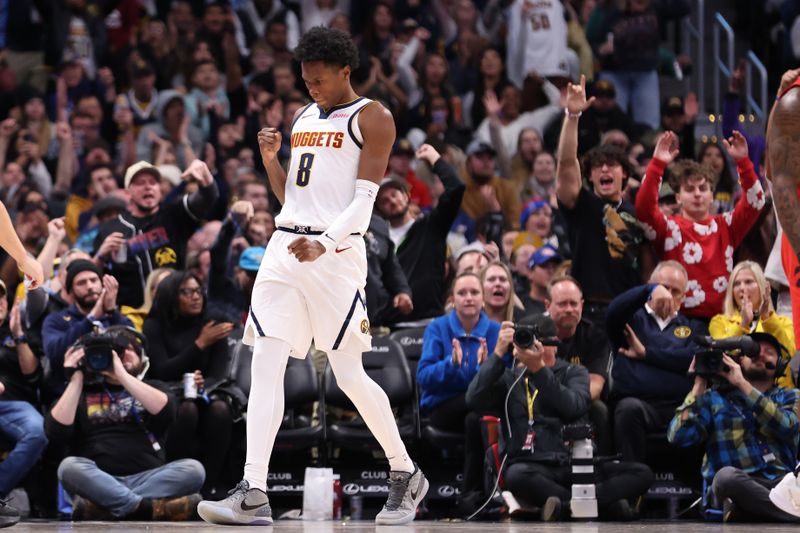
(121, 255)
(356, 507)
(189, 386)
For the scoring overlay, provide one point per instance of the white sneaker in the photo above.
(242, 506)
(405, 492)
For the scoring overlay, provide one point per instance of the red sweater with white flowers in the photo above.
(704, 248)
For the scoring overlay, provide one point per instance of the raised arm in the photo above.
(783, 157)
(568, 170)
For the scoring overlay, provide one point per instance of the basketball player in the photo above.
(12, 245)
(783, 169)
(311, 280)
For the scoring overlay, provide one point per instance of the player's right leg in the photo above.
(247, 503)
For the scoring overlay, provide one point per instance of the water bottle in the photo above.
(121, 255)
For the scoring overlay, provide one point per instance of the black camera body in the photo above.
(526, 334)
(97, 349)
(708, 363)
(575, 432)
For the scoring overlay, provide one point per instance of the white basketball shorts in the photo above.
(322, 299)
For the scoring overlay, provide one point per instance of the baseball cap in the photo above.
(545, 327)
(673, 106)
(666, 192)
(395, 184)
(605, 89)
(476, 246)
(543, 255)
(480, 147)
(763, 336)
(530, 209)
(141, 69)
(108, 203)
(250, 259)
(403, 146)
(139, 168)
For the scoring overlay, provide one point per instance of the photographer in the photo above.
(750, 427)
(113, 421)
(94, 302)
(551, 394)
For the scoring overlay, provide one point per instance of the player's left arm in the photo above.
(377, 130)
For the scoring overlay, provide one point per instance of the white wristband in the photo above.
(572, 115)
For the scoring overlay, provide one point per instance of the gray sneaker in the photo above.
(242, 506)
(405, 492)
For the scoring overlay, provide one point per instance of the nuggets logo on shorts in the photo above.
(166, 256)
(365, 326)
(683, 332)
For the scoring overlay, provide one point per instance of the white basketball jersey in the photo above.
(544, 32)
(326, 148)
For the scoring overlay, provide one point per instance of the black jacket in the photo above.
(423, 252)
(563, 399)
(385, 276)
(155, 241)
(225, 296)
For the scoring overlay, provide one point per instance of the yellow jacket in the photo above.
(778, 326)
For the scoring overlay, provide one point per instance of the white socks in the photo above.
(265, 407)
(373, 406)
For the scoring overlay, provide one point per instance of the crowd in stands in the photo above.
(539, 176)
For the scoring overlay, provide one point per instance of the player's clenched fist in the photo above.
(305, 249)
(269, 141)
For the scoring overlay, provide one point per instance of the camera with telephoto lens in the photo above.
(708, 363)
(97, 348)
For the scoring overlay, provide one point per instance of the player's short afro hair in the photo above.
(328, 45)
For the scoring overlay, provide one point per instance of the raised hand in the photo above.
(55, 229)
(198, 171)
(242, 212)
(667, 147)
(736, 145)
(576, 97)
(428, 153)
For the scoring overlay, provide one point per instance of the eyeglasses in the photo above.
(191, 291)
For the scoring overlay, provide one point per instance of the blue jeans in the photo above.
(21, 423)
(121, 495)
(639, 90)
